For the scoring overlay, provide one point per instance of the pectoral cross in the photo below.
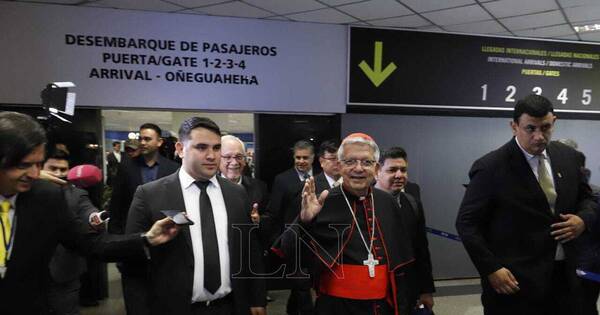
(371, 262)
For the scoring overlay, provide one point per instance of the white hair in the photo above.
(234, 138)
(357, 139)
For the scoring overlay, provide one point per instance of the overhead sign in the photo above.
(120, 58)
(450, 71)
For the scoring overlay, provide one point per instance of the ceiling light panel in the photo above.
(461, 15)
(237, 9)
(147, 5)
(506, 8)
(375, 9)
(323, 16)
(424, 6)
(404, 21)
(485, 27)
(286, 7)
(196, 3)
(534, 20)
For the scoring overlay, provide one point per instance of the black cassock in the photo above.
(332, 241)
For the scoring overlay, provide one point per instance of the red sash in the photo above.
(353, 282)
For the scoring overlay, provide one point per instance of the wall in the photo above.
(440, 153)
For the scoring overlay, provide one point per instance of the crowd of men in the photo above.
(353, 236)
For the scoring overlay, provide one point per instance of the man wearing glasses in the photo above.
(366, 275)
(232, 167)
(330, 165)
(283, 208)
(524, 208)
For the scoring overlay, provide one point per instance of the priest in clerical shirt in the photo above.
(357, 247)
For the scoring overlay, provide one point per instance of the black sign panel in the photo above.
(437, 70)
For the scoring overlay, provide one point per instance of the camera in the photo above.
(57, 100)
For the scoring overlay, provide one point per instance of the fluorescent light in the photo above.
(587, 28)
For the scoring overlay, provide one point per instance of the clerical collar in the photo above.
(352, 197)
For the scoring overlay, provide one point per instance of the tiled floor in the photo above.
(454, 297)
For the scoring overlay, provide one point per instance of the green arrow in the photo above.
(376, 75)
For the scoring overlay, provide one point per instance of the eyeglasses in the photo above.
(238, 157)
(364, 163)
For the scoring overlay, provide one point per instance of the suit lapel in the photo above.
(558, 168)
(176, 202)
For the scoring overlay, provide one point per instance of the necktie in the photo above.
(546, 182)
(6, 230)
(305, 176)
(210, 246)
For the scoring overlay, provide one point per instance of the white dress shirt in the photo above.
(330, 180)
(191, 197)
(533, 161)
(117, 156)
(310, 173)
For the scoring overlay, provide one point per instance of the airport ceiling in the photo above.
(551, 19)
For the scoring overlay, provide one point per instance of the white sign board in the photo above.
(120, 58)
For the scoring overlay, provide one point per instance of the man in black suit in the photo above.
(232, 167)
(205, 270)
(147, 167)
(66, 266)
(330, 165)
(283, 208)
(34, 218)
(521, 216)
(392, 177)
(113, 160)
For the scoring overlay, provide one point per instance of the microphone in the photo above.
(85, 175)
(104, 215)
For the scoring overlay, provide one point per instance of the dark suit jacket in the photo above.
(66, 265)
(421, 271)
(129, 177)
(112, 168)
(257, 192)
(284, 205)
(321, 183)
(172, 264)
(504, 219)
(43, 221)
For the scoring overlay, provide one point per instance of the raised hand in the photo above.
(311, 204)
